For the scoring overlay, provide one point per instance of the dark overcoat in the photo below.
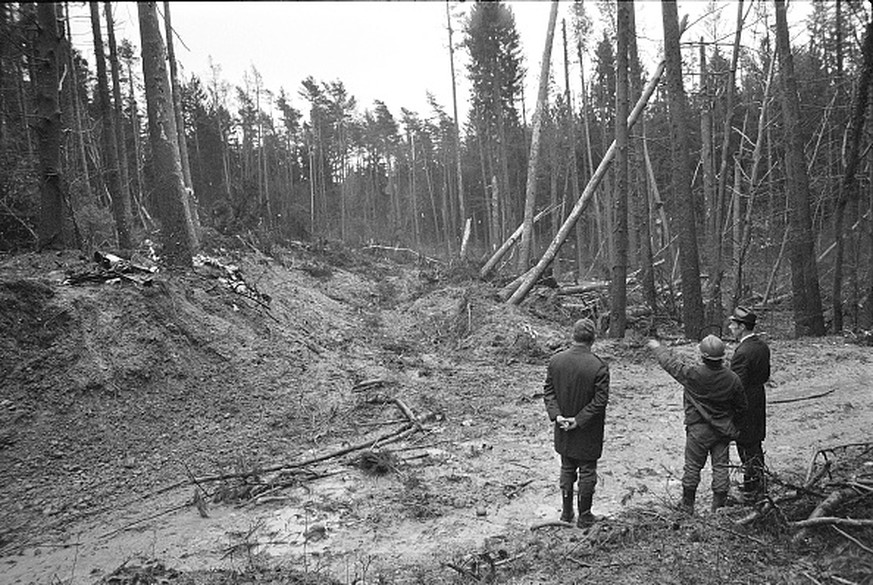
(712, 394)
(751, 362)
(577, 385)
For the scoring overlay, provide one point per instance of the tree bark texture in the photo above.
(806, 297)
(618, 283)
(849, 190)
(190, 202)
(462, 209)
(169, 186)
(48, 128)
(120, 203)
(117, 118)
(681, 203)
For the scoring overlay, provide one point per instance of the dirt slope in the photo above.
(113, 392)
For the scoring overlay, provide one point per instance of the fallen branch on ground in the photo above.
(463, 571)
(831, 520)
(396, 249)
(770, 504)
(829, 504)
(787, 400)
(559, 523)
(853, 539)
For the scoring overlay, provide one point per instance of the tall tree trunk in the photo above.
(192, 215)
(118, 120)
(5, 44)
(849, 190)
(416, 229)
(806, 297)
(120, 196)
(707, 156)
(618, 283)
(682, 200)
(589, 168)
(526, 244)
(571, 131)
(48, 129)
(643, 210)
(77, 114)
(753, 185)
(137, 193)
(169, 184)
(716, 306)
(462, 210)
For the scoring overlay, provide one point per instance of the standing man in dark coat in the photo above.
(576, 392)
(751, 362)
(713, 399)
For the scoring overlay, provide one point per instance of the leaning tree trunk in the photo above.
(682, 200)
(169, 187)
(48, 128)
(530, 190)
(117, 189)
(515, 292)
(806, 297)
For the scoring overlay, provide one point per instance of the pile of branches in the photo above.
(109, 268)
(836, 495)
(230, 276)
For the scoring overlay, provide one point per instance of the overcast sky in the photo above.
(392, 51)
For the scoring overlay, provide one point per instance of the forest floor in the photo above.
(372, 417)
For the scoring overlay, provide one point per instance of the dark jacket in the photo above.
(577, 385)
(716, 390)
(751, 362)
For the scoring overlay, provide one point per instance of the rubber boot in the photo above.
(688, 496)
(586, 518)
(567, 501)
(719, 499)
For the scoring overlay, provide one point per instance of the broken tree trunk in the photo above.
(833, 501)
(501, 251)
(518, 289)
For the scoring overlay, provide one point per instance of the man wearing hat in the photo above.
(751, 362)
(575, 393)
(713, 398)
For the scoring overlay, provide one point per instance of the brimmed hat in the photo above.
(711, 348)
(745, 316)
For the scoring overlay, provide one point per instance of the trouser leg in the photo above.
(587, 482)
(752, 458)
(719, 454)
(567, 481)
(568, 472)
(696, 452)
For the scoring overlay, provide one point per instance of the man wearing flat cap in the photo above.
(575, 393)
(751, 362)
